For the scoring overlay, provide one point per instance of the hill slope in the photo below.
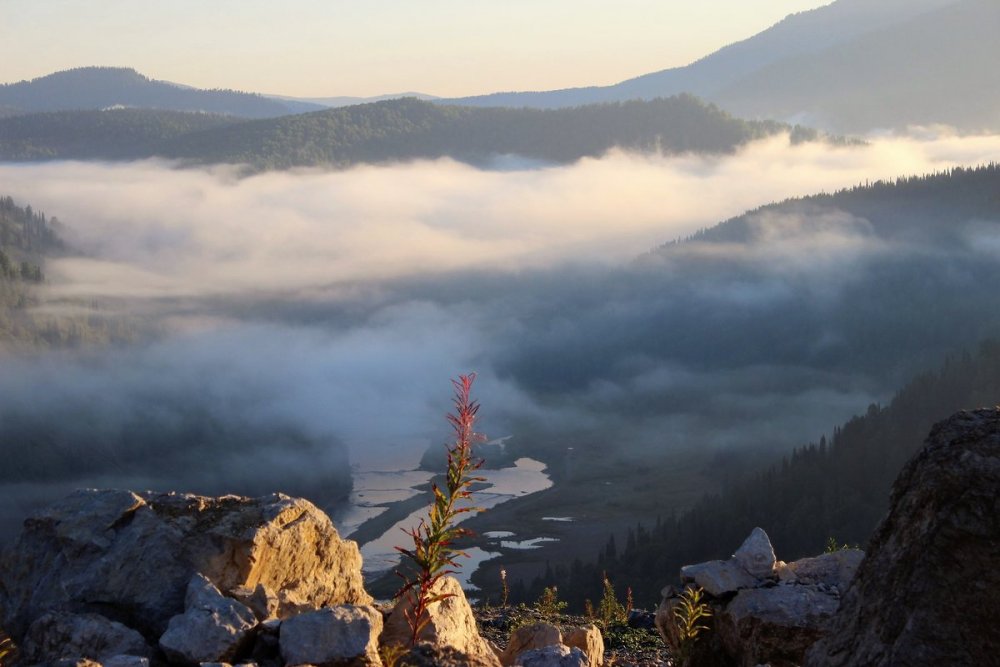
(104, 87)
(384, 131)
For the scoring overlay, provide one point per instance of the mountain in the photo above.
(851, 66)
(385, 131)
(99, 134)
(347, 101)
(105, 87)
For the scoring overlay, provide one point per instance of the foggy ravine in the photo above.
(380, 283)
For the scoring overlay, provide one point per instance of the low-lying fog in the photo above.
(289, 317)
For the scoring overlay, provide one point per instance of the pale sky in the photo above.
(318, 48)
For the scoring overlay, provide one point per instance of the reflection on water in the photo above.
(535, 543)
(374, 492)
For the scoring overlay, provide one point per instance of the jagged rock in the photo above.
(126, 661)
(131, 555)
(589, 640)
(264, 605)
(528, 637)
(341, 635)
(774, 625)
(756, 555)
(59, 636)
(558, 655)
(213, 628)
(451, 624)
(926, 592)
(718, 577)
(833, 569)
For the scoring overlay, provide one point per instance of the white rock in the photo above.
(344, 634)
(552, 656)
(589, 640)
(213, 628)
(718, 577)
(831, 569)
(756, 554)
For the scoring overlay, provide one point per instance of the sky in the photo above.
(320, 48)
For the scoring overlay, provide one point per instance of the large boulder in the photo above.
(771, 615)
(558, 655)
(926, 593)
(213, 628)
(62, 636)
(589, 640)
(450, 624)
(341, 635)
(129, 556)
(529, 637)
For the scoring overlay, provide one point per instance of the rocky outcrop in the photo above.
(450, 624)
(763, 610)
(213, 628)
(129, 557)
(341, 635)
(926, 593)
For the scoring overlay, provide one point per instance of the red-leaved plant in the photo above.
(433, 554)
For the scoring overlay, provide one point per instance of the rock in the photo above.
(528, 637)
(426, 655)
(126, 661)
(774, 625)
(832, 569)
(213, 628)
(589, 640)
(641, 619)
(756, 555)
(718, 577)
(130, 556)
(451, 624)
(552, 656)
(58, 636)
(926, 592)
(341, 635)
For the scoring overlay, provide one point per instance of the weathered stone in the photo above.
(589, 640)
(926, 591)
(451, 624)
(262, 603)
(718, 577)
(58, 636)
(126, 661)
(213, 628)
(773, 625)
(133, 554)
(756, 555)
(528, 637)
(832, 569)
(426, 655)
(558, 655)
(641, 619)
(341, 635)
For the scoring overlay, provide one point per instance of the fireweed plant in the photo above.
(433, 554)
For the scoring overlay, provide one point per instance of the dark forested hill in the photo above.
(96, 134)
(104, 87)
(393, 130)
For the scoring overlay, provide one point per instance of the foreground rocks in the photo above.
(763, 610)
(927, 592)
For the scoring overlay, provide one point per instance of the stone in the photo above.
(773, 625)
(756, 555)
(341, 635)
(718, 578)
(528, 637)
(213, 628)
(926, 591)
(126, 661)
(131, 555)
(640, 619)
(589, 640)
(426, 655)
(558, 655)
(831, 569)
(57, 636)
(451, 624)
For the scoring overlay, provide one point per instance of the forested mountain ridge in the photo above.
(104, 87)
(395, 130)
(25, 236)
(836, 488)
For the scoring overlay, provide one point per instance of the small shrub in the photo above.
(588, 609)
(688, 614)
(832, 546)
(433, 554)
(609, 610)
(548, 604)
